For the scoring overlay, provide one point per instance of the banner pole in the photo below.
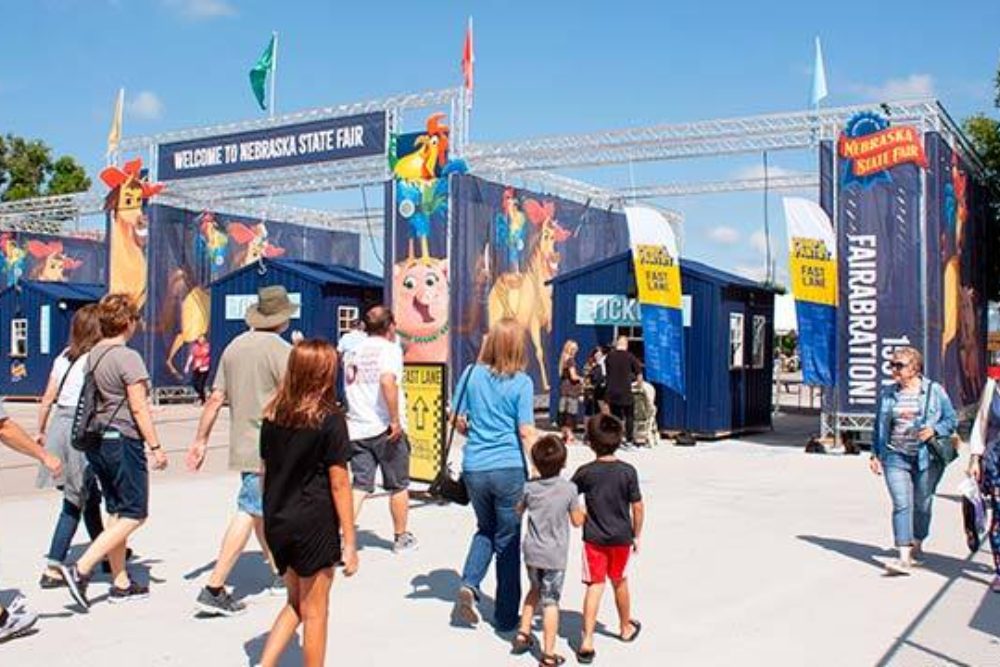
(274, 72)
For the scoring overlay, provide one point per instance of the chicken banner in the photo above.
(656, 256)
(812, 256)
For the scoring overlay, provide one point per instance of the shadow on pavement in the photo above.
(987, 616)
(443, 585)
(251, 574)
(946, 566)
(368, 538)
(290, 658)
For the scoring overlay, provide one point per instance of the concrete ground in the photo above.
(754, 554)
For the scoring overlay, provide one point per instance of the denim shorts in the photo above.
(392, 458)
(549, 584)
(250, 499)
(120, 466)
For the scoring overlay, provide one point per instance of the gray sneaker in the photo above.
(222, 604)
(77, 584)
(404, 542)
(20, 619)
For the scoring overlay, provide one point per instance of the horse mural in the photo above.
(191, 302)
(51, 263)
(129, 228)
(525, 296)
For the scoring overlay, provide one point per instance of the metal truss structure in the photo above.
(774, 183)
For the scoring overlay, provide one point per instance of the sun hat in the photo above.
(273, 308)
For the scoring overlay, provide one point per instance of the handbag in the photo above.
(443, 486)
(941, 446)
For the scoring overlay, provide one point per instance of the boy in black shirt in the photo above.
(610, 488)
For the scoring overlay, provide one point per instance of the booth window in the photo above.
(345, 316)
(736, 340)
(757, 341)
(19, 337)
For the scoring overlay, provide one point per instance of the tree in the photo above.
(27, 170)
(984, 132)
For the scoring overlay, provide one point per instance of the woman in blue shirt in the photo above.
(910, 412)
(496, 411)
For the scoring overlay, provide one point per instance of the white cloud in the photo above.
(146, 105)
(756, 171)
(201, 9)
(751, 272)
(914, 86)
(724, 235)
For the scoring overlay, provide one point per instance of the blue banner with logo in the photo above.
(285, 146)
(879, 255)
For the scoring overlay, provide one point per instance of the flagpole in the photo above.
(274, 70)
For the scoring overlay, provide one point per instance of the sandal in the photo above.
(551, 659)
(523, 642)
(585, 657)
(49, 582)
(637, 629)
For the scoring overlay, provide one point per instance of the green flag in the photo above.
(258, 75)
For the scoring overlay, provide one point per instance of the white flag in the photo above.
(819, 91)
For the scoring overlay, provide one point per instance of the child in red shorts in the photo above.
(610, 489)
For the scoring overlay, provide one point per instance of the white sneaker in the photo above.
(19, 620)
(404, 542)
(899, 567)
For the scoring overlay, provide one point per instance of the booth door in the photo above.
(737, 368)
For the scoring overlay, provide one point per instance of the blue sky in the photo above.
(542, 68)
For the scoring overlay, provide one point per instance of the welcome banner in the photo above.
(812, 256)
(656, 256)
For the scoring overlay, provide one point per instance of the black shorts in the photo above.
(120, 466)
(392, 458)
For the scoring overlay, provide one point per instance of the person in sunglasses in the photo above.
(910, 412)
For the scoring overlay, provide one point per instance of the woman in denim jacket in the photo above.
(910, 412)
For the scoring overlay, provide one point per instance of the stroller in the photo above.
(647, 433)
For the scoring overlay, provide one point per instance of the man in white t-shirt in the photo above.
(376, 421)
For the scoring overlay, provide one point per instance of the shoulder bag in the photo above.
(443, 486)
(941, 446)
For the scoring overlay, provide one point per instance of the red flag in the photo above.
(468, 59)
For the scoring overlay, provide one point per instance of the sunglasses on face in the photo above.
(898, 365)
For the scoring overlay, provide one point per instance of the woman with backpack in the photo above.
(911, 413)
(124, 429)
(81, 495)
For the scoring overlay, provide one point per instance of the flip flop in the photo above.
(550, 660)
(638, 628)
(585, 657)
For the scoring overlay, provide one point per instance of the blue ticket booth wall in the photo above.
(728, 341)
(35, 319)
(330, 296)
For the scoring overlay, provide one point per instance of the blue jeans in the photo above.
(69, 520)
(494, 496)
(912, 492)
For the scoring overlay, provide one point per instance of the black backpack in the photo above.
(87, 432)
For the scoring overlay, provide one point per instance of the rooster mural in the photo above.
(511, 232)
(129, 228)
(51, 263)
(430, 157)
(13, 258)
(421, 289)
(253, 243)
(213, 241)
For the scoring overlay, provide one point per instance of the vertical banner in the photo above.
(424, 386)
(658, 281)
(813, 265)
(879, 254)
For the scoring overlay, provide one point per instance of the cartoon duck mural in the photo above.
(51, 263)
(254, 244)
(129, 228)
(421, 290)
(511, 230)
(526, 296)
(13, 258)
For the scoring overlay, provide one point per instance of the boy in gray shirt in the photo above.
(551, 504)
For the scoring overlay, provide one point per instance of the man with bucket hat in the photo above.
(250, 370)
